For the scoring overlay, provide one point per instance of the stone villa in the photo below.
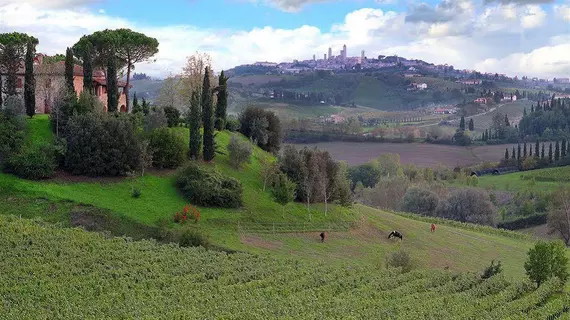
(50, 78)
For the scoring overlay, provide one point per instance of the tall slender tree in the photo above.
(194, 124)
(542, 152)
(87, 52)
(69, 66)
(30, 80)
(462, 123)
(557, 151)
(513, 154)
(506, 153)
(471, 125)
(507, 123)
(136, 106)
(519, 152)
(208, 148)
(550, 153)
(563, 148)
(524, 150)
(112, 89)
(13, 48)
(222, 103)
(536, 149)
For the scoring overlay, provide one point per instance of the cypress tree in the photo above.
(87, 68)
(542, 152)
(506, 153)
(530, 151)
(524, 150)
(69, 66)
(550, 153)
(536, 148)
(136, 106)
(462, 123)
(563, 148)
(30, 81)
(556, 151)
(222, 103)
(208, 148)
(507, 123)
(112, 89)
(194, 123)
(471, 125)
(513, 154)
(519, 152)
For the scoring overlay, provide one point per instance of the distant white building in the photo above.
(421, 86)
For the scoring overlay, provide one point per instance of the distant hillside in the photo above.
(146, 88)
(387, 90)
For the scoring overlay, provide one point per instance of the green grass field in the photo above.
(513, 110)
(54, 273)
(548, 179)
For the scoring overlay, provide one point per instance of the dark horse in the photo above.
(322, 237)
(395, 234)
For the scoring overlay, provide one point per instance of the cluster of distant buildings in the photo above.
(342, 61)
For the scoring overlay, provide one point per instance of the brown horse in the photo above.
(433, 227)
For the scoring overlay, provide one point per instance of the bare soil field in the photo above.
(420, 154)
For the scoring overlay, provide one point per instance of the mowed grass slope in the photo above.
(450, 247)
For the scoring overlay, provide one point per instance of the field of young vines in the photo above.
(49, 272)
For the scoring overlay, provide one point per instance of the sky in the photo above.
(515, 37)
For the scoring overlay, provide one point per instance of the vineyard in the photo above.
(559, 174)
(55, 273)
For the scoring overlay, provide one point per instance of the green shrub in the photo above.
(172, 116)
(239, 152)
(399, 259)
(420, 200)
(492, 270)
(15, 111)
(11, 138)
(189, 237)
(33, 163)
(208, 187)
(168, 149)
(154, 119)
(232, 124)
(136, 192)
(100, 144)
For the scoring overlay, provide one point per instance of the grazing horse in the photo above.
(322, 237)
(395, 234)
(433, 227)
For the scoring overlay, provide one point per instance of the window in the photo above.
(19, 85)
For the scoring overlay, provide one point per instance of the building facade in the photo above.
(50, 79)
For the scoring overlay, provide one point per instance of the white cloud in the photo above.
(550, 61)
(51, 3)
(563, 11)
(289, 5)
(532, 17)
(506, 38)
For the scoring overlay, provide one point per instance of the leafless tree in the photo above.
(559, 215)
